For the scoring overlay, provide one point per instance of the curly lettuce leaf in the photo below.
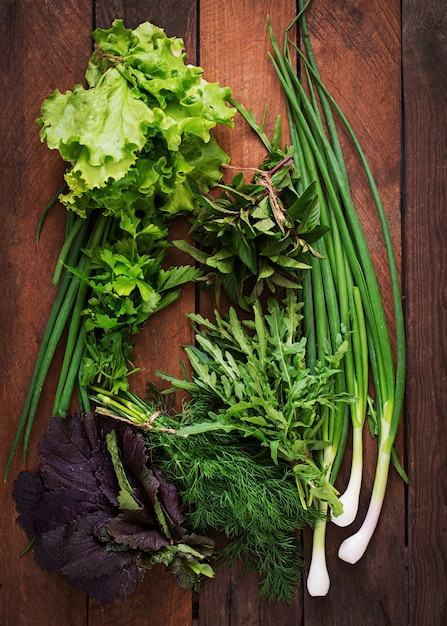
(115, 41)
(99, 130)
(168, 183)
(139, 136)
(155, 65)
(152, 62)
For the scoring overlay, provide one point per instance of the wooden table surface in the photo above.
(385, 62)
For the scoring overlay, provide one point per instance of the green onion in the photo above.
(342, 295)
(70, 299)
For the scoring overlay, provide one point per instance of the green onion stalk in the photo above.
(70, 300)
(325, 309)
(357, 291)
(325, 305)
(356, 362)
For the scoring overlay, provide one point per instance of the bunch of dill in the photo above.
(229, 484)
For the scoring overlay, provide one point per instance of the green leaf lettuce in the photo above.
(139, 134)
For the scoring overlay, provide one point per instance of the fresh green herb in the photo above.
(256, 234)
(139, 136)
(127, 284)
(256, 376)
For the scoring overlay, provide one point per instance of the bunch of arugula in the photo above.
(255, 375)
(140, 152)
(101, 515)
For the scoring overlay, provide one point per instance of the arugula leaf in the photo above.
(255, 375)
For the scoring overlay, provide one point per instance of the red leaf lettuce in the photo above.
(100, 515)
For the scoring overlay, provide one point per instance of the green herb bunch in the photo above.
(127, 285)
(254, 375)
(255, 235)
(230, 485)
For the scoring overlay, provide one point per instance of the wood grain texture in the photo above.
(234, 50)
(367, 50)
(31, 34)
(425, 96)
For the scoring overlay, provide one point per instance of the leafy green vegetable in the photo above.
(127, 284)
(255, 375)
(256, 234)
(139, 136)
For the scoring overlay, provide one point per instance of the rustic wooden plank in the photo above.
(425, 96)
(158, 601)
(357, 46)
(234, 48)
(44, 46)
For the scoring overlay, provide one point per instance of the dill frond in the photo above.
(230, 485)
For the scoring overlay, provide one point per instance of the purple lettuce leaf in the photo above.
(41, 510)
(135, 460)
(111, 587)
(65, 454)
(90, 564)
(71, 507)
(130, 528)
(105, 474)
